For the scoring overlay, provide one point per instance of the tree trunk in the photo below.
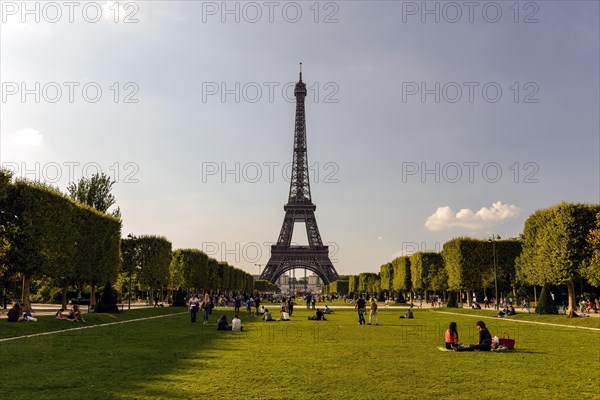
(26, 292)
(65, 288)
(92, 296)
(571, 295)
(469, 297)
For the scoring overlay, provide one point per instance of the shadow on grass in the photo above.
(152, 358)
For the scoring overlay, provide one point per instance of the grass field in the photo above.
(169, 358)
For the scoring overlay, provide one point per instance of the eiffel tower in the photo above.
(300, 208)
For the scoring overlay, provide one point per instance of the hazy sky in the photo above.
(425, 121)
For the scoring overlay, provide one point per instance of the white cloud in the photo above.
(26, 137)
(445, 218)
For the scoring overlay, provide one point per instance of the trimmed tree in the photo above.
(402, 279)
(386, 274)
(452, 301)
(56, 237)
(423, 268)
(108, 302)
(264, 286)
(368, 282)
(463, 258)
(154, 254)
(339, 287)
(179, 299)
(556, 249)
(545, 303)
(591, 268)
(353, 284)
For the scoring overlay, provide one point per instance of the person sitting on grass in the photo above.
(222, 324)
(511, 310)
(409, 314)
(590, 306)
(14, 314)
(485, 340)
(285, 316)
(267, 316)
(328, 310)
(59, 315)
(319, 316)
(451, 336)
(236, 324)
(75, 314)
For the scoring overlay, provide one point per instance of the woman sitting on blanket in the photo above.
(451, 336)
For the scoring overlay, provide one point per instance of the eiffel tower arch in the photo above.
(299, 208)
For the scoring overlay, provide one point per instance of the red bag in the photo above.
(507, 341)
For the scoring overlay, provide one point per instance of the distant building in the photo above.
(290, 284)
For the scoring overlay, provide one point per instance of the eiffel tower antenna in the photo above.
(300, 208)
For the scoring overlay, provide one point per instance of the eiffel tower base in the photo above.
(285, 258)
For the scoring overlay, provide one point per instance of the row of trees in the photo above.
(73, 240)
(559, 245)
(194, 270)
(46, 234)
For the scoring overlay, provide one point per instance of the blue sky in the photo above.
(201, 156)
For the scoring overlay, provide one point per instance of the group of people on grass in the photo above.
(506, 311)
(360, 306)
(73, 315)
(16, 314)
(196, 305)
(236, 324)
(284, 315)
(589, 306)
(485, 339)
(206, 305)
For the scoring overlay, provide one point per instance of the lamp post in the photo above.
(258, 265)
(493, 240)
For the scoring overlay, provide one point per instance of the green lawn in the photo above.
(166, 358)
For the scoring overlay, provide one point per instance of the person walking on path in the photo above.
(290, 305)
(194, 307)
(237, 304)
(360, 308)
(373, 313)
(257, 304)
(205, 308)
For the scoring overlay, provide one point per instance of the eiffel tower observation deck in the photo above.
(300, 208)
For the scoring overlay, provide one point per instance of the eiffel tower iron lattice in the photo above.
(299, 208)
